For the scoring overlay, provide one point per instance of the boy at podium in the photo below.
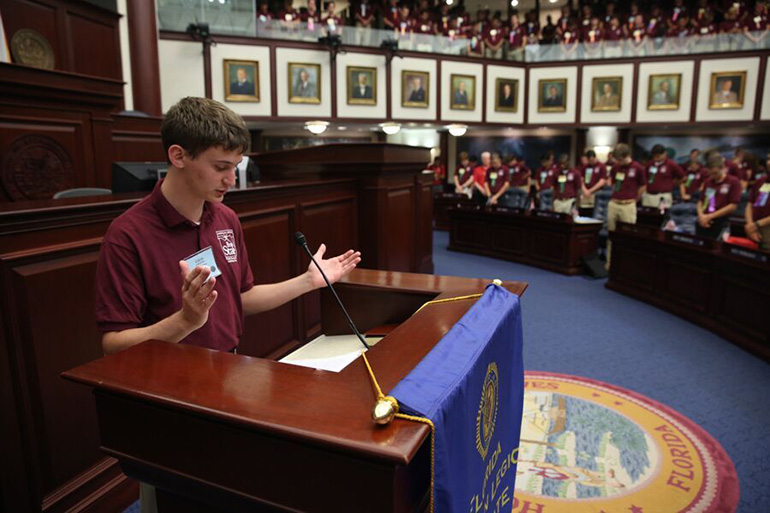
(174, 267)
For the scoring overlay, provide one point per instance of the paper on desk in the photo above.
(587, 220)
(331, 363)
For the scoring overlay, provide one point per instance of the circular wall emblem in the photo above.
(35, 167)
(590, 446)
(31, 48)
(487, 414)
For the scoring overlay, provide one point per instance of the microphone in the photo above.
(299, 238)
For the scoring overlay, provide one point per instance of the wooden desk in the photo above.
(724, 288)
(48, 253)
(542, 239)
(442, 203)
(250, 434)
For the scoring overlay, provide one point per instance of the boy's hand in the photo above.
(334, 268)
(197, 296)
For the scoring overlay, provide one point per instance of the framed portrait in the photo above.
(241, 81)
(463, 93)
(304, 82)
(415, 89)
(663, 92)
(362, 86)
(552, 95)
(606, 94)
(506, 95)
(727, 90)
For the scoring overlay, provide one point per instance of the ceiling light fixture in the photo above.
(390, 128)
(317, 127)
(457, 129)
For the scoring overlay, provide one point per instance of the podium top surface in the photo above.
(326, 409)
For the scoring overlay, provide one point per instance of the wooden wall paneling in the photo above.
(398, 227)
(687, 283)
(64, 466)
(549, 246)
(508, 239)
(424, 229)
(41, 153)
(38, 16)
(335, 224)
(137, 139)
(94, 45)
(271, 258)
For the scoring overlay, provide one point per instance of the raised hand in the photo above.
(198, 295)
(334, 268)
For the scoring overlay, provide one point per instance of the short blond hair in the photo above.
(197, 124)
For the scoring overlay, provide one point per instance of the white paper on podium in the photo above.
(328, 353)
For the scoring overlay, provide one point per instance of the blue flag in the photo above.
(471, 385)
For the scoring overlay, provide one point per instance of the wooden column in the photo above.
(145, 68)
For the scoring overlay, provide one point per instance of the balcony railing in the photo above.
(239, 18)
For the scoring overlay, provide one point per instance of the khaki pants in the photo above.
(587, 201)
(524, 188)
(563, 206)
(653, 200)
(147, 501)
(616, 211)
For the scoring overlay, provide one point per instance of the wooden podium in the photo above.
(224, 432)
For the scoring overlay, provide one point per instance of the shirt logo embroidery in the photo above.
(227, 242)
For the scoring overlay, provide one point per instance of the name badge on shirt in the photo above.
(493, 176)
(204, 258)
(620, 177)
(562, 179)
(589, 172)
(543, 174)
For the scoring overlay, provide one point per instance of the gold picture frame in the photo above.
(301, 90)
(241, 80)
(463, 93)
(732, 97)
(604, 100)
(358, 93)
(548, 102)
(503, 103)
(664, 91)
(414, 94)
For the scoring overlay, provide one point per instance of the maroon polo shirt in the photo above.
(592, 173)
(497, 178)
(633, 176)
(694, 178)
(138, 279)
(463, 172)
(519, 175)
(545, 177)
(759, 197)
(515, 36)
(735, 170)
(661, 176)
(720, 194)
(613, 34)
(567, 184)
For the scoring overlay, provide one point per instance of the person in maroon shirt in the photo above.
(721, 195)
(706, 26)
(755, 25)
(743, 165)
(311, 16)
(497, 180)
(444, 19)
(629, 181)
(464, 175)
(594, 34)
(288, 13)
(677, 12)
(263, 13)
(694, 177)
(424, 24)
(566, 190)
(546, 173)
(662, 175)
(610, 12)
(521, 175)
(364, 16)
(532, 28)
(614, 32)
(732, 23)
(494, 40)
(391, 15)
(140, 294)
(594, 175)
(516, 39)
(475, 42)
(758, 213)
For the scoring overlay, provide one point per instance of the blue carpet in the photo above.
(573, 325)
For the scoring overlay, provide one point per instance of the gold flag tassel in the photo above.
(386, 408)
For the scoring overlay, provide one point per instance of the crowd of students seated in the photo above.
(489, 34)
(714, 184)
